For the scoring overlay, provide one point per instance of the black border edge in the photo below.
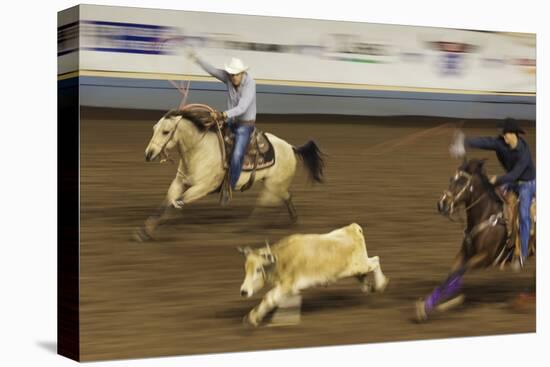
(68, 218)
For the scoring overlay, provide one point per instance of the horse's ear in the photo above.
(481, 164)
(464, 164)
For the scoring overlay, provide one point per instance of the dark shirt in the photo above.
(517, 162)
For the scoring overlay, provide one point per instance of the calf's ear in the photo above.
(267, 254)
(244, 250)
(270, 258)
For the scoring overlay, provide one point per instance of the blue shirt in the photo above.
(241, 101)
(517, 162)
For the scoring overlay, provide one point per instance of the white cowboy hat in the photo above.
(235, 66)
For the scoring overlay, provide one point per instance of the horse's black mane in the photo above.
(475, 167)
(199, 118)
(489, 187)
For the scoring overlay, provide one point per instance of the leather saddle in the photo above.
(259, 154)
(512, 249)
(511, 210)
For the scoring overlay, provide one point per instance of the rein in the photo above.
(492, 221)
(466, 186)
(476, 201)
(208, 127)
(164, 154)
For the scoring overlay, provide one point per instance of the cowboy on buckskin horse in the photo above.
(241, 109)
(515, 157)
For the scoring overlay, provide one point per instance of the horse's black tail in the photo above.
(312, 158)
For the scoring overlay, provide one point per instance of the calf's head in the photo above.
(258, 262)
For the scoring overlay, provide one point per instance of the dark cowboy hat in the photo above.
(510, 125)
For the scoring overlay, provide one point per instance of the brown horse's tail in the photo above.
(313, 160)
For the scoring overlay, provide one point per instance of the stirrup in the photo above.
(226, 193)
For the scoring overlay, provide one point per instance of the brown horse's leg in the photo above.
(452, 285)
(458, 262)
(476, 261)
(446, 291)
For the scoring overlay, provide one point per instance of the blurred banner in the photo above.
(104, 41)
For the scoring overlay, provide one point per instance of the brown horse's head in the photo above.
(463, 186)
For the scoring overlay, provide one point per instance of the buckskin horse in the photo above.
(485, 240)
(201, 170)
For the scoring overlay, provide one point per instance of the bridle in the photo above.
(492, 221)
(218, 125)
(467, 186)
(455, 197)
(163, 153)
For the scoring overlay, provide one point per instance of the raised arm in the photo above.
(215, 72)
(487, 143)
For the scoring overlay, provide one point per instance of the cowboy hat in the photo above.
(235, 66)
(510, 125)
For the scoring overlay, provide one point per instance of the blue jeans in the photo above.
(242, 137)
(526, 191)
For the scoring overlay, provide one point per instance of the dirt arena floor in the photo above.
(180, 294)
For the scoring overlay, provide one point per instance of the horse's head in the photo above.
(178, 127)
(463, 186)
(163, 139)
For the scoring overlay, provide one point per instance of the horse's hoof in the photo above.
(382, 288)
(247, 322)
(367, 288)
(421, 315)
(450, 304)
(140, 235)
(178, 204)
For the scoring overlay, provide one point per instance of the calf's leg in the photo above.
(271, 300)
(372, 264)
(380, 280)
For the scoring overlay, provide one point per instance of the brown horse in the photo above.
(485, 236)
